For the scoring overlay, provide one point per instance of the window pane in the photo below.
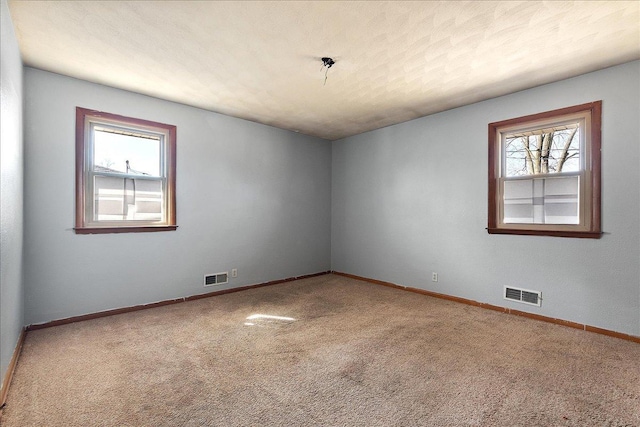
(542, 201)
(561, 196)
(127, 199)
(543, 151)
(518, 201)
(112, 151)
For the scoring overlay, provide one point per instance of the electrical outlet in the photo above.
(434, 277)
(234, 272)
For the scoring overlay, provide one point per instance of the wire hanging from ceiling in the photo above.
(326, 63)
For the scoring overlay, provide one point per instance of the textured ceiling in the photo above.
(395, 61)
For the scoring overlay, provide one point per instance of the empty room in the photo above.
(320, 213)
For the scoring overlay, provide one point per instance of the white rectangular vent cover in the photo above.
(216, 279)
(524, 296)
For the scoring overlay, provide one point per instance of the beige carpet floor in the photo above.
(324, 351)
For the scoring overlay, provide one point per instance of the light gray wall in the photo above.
(11, 186)
(249, 196)
(411, 199)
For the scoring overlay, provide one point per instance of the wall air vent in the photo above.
(524, 296)
(216, 279)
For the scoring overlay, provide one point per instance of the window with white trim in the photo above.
(125, 174)
(544, 173)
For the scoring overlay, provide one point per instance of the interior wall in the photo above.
(249, 196)
(11, 186)
(411, 199)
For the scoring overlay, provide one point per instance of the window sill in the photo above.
(133, 229)
(552, 233)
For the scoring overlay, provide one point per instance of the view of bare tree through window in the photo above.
(543, 151)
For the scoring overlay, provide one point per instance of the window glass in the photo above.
(127, 199)
(132, 153)
(543, 151)
(542, 201)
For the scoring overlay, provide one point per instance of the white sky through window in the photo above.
(112, 150)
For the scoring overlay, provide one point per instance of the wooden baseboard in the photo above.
(163, 303)
(11, 368)
(507, 310)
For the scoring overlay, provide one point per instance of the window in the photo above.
(125, 174)
(544, 173)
